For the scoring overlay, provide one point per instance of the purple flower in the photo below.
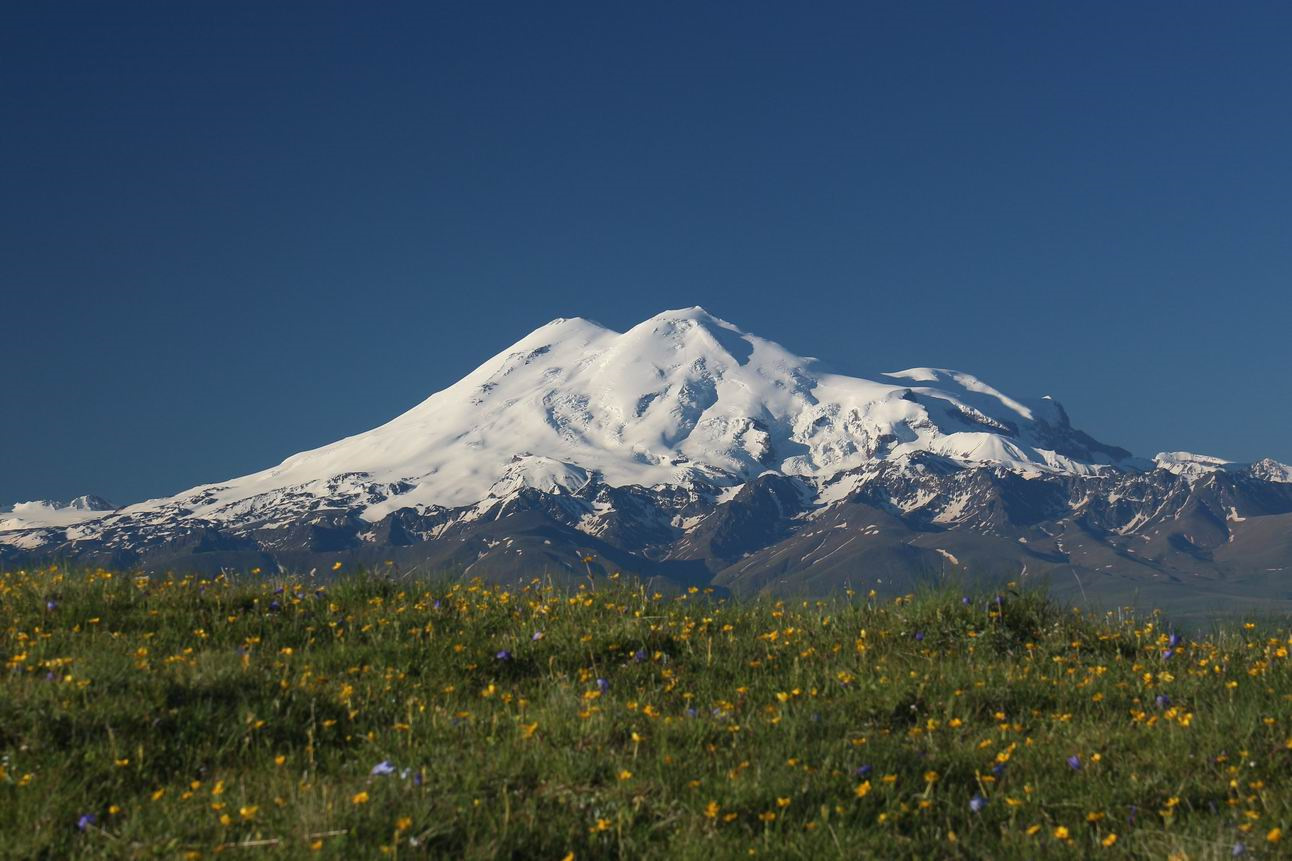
(863, 770)
(1168, 654)
(1174, 641)
(503, 655)
(536, 636)
(86, 820)
(278, 591)
(274, 606)
(965, 600)
(1162, 701)
(382, 769)
(417, 778)
(603, 685)
(1240, 848)
(692, 711)
(436, 605)
(977, 803)
(1074, 762)
(639, 656)
(998, 769)
(52, 605)
(919, 636)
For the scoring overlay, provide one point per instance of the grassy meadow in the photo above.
(375, 716)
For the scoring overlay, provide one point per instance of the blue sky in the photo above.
(232, 232)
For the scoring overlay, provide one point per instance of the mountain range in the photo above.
(691, 452)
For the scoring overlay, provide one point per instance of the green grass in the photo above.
(192, 717)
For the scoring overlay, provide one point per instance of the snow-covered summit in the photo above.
(1193, 465)
(45, 512)
(679, 399)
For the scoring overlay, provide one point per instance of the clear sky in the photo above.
(235, 230)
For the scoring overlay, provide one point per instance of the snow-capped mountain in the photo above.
(638, 445)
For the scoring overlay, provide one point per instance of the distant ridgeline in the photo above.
(688, 450)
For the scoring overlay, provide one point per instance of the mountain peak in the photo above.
(683, 397)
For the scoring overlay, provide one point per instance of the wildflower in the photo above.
(403, 823)
(1240, 848)
(536, 636)
(1274, 835)
(359, 798)
(863, 789)
(51, 606)
(862, 770)
(977, 803)
(1162, 701)
(280, 759)
(625, 774)
(767, 816)
(382, 769)
(1061, 832)
(336, 566)
(1108, 841)
(157, 794)
(930, 777)
(919, 636)
(85, 821)
(603, 685)
(711, 810)
(782, 802)
(1074, 762)
(248, 812)
(639, 656)
(503, 655)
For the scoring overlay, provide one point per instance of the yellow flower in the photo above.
(625, 774)
(1109, 840)
(158, 793)
(280, 759)
(248, 811)
(767, 816)
(1274, 835)
(359, 798)
(1032, 829)
(782, 802)
(863, 789)
(121, 763)
(930, 777)
(711, 810)
(403, 823)
(1061, 832)
(602, 825)
(336, 566)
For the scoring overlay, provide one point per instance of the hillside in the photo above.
(183, 717)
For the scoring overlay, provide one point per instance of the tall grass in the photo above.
(183, 717)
